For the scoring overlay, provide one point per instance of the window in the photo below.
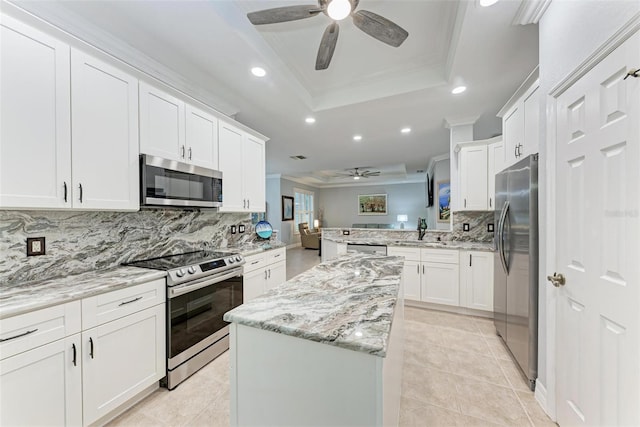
(303, 200)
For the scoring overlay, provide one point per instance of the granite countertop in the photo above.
(38, 294)
(253, 248)
(346, 302)
(450, 244)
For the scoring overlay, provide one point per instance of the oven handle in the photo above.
(184, 289)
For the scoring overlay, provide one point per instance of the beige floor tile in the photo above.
(427, 355)
(457, 321)
(428, 317)
(477, 366)
(533, 409)
(485, 326)
(416, 333)
(431, 387)
(514, 375)
(497, 347)
(430, 415)
(464, 341)
(135, 418)
(490, 402)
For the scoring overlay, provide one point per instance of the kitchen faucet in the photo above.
(422, 227)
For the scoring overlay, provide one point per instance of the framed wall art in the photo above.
(444, 201)
(287, 208)
(372, 204)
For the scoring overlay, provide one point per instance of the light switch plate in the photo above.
(465, 226)
(345, 232)
(490, 227)
(233, 229)
(241, 228)
(35, 246)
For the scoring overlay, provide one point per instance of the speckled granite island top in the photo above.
(346, 302)
(449, 244)
(35, 295)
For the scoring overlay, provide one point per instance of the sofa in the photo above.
(307, 238)
(387, 226)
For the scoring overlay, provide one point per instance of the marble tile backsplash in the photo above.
(478, 222)
(77, 242)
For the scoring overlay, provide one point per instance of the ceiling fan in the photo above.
(371, 23)
(356, 173)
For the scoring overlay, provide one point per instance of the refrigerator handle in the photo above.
(503, 217)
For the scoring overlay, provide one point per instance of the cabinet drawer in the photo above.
(409, 254)
(31, 330)
(253, 262)
(114, 305)
(445, 256)
(276, 255)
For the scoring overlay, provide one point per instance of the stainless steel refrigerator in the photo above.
(515, 291)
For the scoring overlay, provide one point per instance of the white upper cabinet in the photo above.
(242, 162)
(175, 130)
(104, 103)
(495, 162)
(162, 124)
(473, 178)
(520, 121)
(35, 141)
(201, 138)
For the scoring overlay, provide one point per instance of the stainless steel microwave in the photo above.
(170, 183)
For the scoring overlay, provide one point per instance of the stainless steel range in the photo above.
(201, 287)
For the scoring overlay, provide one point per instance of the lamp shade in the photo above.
(403, 218)
(316, 223)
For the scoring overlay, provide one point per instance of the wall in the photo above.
(340, 205)
(441, 172)
(274, 205)
(569, 31)
(81, 241)
(287, 234)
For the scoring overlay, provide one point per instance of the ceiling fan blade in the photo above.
(283, 14)
(380, 28)
(368, 174)
(327, 46)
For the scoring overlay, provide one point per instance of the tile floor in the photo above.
(456, 372)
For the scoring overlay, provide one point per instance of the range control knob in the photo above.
(231, 260)
(238, 258)
(180, 272)
(191, 270)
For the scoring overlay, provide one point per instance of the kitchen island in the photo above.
(324, 348)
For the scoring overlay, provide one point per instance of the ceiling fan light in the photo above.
(357, 137)
(310, 120)
(339, 9)
(405, 130)
(356, 177)
(458, 89)
(258, 71)
(487, 3)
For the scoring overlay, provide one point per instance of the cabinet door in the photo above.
(121, 359)
(43, 386)
(253, 284)
(440, 283)
(202, 138)
(276, 274)
(230, 161)
(105, 135)
(495, 164)
(476, 280)
(411, 275)
(473, 178)
(531, 123)
(35, 140)
(513, 128)
(254, 174)
(162, 124)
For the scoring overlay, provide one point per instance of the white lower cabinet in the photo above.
(440, 283)
(262, 272)
(331, 249)
(476, 280)
(48, 378)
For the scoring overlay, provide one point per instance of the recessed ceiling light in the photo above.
(357, 137)
(458, 89)
(258, 72)
(486, 3)
(405, 130)
(310, 120)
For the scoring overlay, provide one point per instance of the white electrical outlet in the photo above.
(36, 246)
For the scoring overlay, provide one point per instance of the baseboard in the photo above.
(294, 245)
(541, 397)
(127, 405)
(449, 308)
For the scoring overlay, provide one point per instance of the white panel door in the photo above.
(473, 178)
(105, 135)
(43, 386)
(162, 124)
(440, 283)
(35, 140)
(254, 174)
(230, 158)
(495, 164)
(598, 248)
(120, 359)
(202, 138)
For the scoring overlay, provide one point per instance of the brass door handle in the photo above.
(557, 279)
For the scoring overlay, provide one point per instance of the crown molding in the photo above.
(530, 12)
(461, 121)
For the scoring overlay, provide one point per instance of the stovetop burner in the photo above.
(188, 266)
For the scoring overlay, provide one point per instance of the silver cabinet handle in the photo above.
(422, 268)
(244, 203)
(269, 273)
(190, 153)
(129, 302)
(248, 204)
(91, 347)
(465, 203)
(470, 260)
(418, 269)
(18, 336)
(489, 201)
(182, 151)
(65, 191)
(73, 346)
(265, 275)
(80, 186)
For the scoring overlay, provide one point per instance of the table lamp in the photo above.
(402, 219)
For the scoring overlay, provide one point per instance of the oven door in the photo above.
(195, 311)
(171, 183)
